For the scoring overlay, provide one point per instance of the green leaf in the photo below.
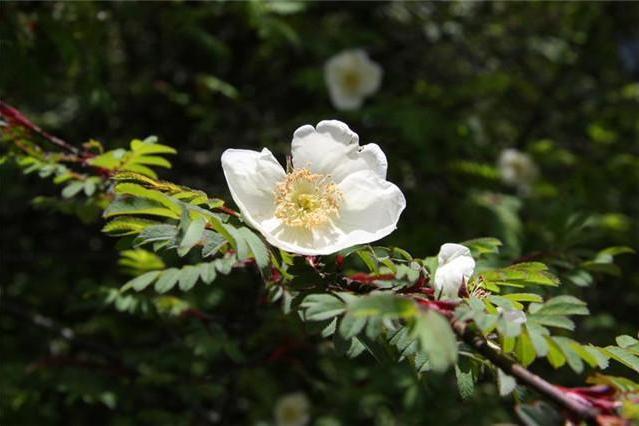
(599, 355)
(161, 232)
(465, 382)
(539, 414)
(72, 189)
(573, 358)
(147, 147)
(167, 280)
(625, 341)
(386, 305)
(552, 321)
(141, 282)
(350, 326)
(191, 232)
(560, 305)
(623, 356)
(153, 160)
(212, 242)
(555, 355)
(124, 225)
(207, 272)
(524, 349)
(524, 297)
(482, 246)
(320, 307)
(536, 334)
(368, 259)
(134, 206)
(188, 277)
(436, 339)
(505, 383)
(140, 191)
(256, 247)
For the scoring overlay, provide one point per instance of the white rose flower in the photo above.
(456, 266)
(517, 169)
(350, 77)
(292, 410)
(335, 196)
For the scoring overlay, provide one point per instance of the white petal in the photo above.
(333, 149)
(450, 251)
(344, 101)
(456, 266)
(252, 177)
(372, 78)
(370, 211)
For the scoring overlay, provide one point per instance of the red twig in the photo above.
(15, 117)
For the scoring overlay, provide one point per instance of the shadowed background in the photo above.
(462, 82)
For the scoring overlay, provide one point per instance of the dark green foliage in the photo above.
(462, 81)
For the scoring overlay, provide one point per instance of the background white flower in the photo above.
(335, 197)
(292, 410)
(350, 77)
(456, 266)
(517, 169)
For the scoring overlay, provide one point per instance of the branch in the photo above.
(577, 408)
(14, 116)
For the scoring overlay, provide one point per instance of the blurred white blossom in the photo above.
(335, 196)
(517, 169)
(456, 266)
(292, 410)
(350, 77)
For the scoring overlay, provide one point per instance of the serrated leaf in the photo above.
(72, 189)
(141, 282)
(555, 355)
(624, 341)
(368, 259)
(350, 326)
(161, 232)
(191, 232)
(136, 190)
(212, 242)
(465, 382)
(123, 225)
(524, 349)
(188, 277)
(208, 272)
(539, 414)
(386, 305)
(481, 246)
(573, 358)
(524, 297)
(624, 357)
(599, 355)
(256, 247)
(167, 280)
(320, 307)
(505, 383)
(153, 160)
(536, 334)
(560, 305)
(144, 147)
(436, 339)
(137, 206)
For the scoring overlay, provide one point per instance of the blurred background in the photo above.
(461, 83)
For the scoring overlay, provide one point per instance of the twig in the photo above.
(14, 116)
(577, 408)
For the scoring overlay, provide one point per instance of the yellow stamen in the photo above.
(307, 200)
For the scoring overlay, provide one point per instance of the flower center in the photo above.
(307, 200)
(351, 80)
